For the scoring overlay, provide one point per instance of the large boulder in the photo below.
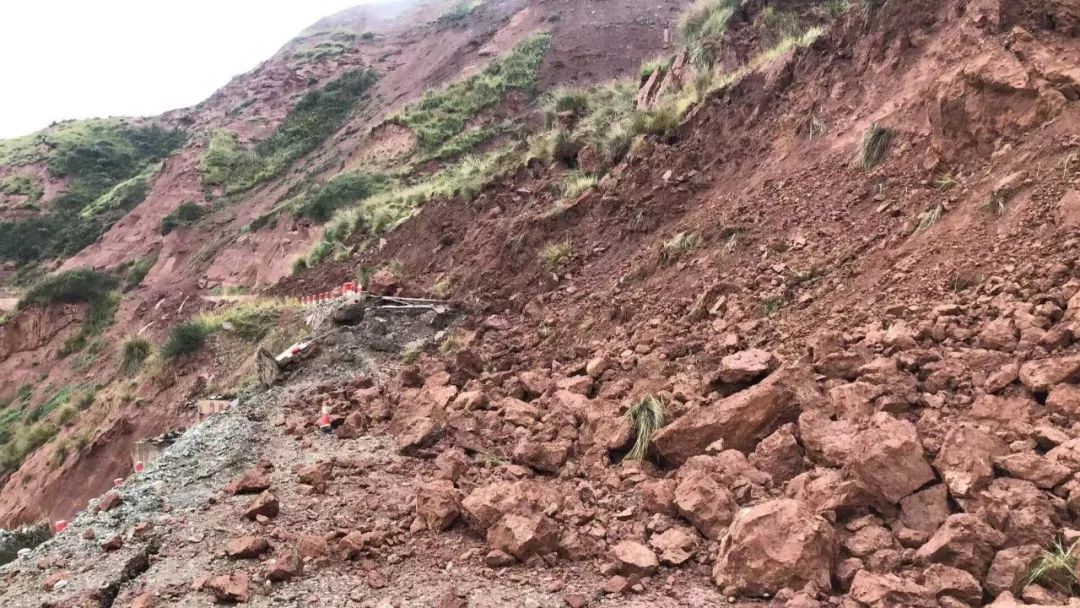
(438, 504)
(773, 545)
(524, 535)
(745, 366)
(1039, 376)
(963, 541)
(779, 455)
(634, 559)
(705, 503)
(925, 510)
(1011, 568)
(966, 459)
(486, 504)
(887, 459)
(889, 591)
(741, 420)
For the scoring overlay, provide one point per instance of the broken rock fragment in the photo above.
(675, 545)
(745, 366)
(247, 547)
(231, 588)
(524, 535)
(265, 504)
(634, 559)
(964, 541)
(438, 504)
(773, 545)
(252, 482)
(705, 503)
(887, 459)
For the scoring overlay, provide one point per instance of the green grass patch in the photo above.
(138, 271)
(99, 316)
(70, 287)
(183, 216)
(315, 117)
(136, 351)
(342, 190)
(185, 339)
(22, 184)
(108, 165)
(440, 115)
(702, 27)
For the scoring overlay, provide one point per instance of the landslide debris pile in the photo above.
(894, 425)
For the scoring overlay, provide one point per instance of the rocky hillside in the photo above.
(777, 305)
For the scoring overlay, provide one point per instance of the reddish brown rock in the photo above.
(247, 547)
(963, 541)
(675, 545)
(634, 559)
(999, 334)
(316, 475)
(55, 579)
(231, 588)
(616, 585)
(352, 544)
(265, 504)
(1029, 466)
(925, 510)
(144, 600)
(889, 591)
(966, 459)
(113, 544)
(1010, 569)
(544, 456)
(944, 580)
(524, 535)
(1064, 399)
(499, 559)
(252, 482)
(438, 504)
(779, 455)
(773, 545)
(887, 459)
(286, 567)
(486, 504)
(1041, 375)
(109, 501)
(416, 434)
(827, 441)
(705, 503)
(352, 427)
(658, 496)
(745, 366)
(312, 546)
(452, 464)
(741, 420)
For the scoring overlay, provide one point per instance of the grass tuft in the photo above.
(645, 416)
(576, 183)
(185, 339)
(136, 352)
(1056, 566)
(875, 146)
(554, 255)
(678, 246)
(930, 219)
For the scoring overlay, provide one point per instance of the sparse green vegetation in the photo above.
(771, 306)
(138, 271)
(554, 255)
(442, 114)
(702, 28)
(315, 117)
(108, 165)
(566, 99)
(458, 12)
(646, 416)
(224, 156)
(929, 219)
(26, 537)
(98, 317)
(184, 339)
(576, 183)
(661, 64)
(185, 215)
(1056, 567)
(678, 246)
(69, 287)
(875, 146)
(136, 352)
(342, 190)
(22, 184)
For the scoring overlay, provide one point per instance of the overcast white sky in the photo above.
(83, 58)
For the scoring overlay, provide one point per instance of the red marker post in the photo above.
(139, 467)
(60, 526)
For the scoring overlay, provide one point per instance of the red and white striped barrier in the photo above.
(326, 296)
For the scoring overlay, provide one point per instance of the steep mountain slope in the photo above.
(789, 317)
(239, 165)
